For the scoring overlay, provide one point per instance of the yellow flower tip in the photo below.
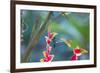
(84, 51)
(77, 47)
(41, 60)
(68, 42)
(44, 54)
(54, 34)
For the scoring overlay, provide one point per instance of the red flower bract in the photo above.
(49, 58)
(77, 51)
(50, 35)
(48, 41)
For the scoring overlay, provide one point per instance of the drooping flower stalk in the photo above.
(47, 56)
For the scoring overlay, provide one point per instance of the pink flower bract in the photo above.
(74, 57)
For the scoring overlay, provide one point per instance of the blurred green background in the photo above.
(69, 25)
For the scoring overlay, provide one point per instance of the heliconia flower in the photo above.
(47, 57)
(78, 52)
(48, 41)
(74, 57)
(50, 35)
(49, 49)
(45, 54)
